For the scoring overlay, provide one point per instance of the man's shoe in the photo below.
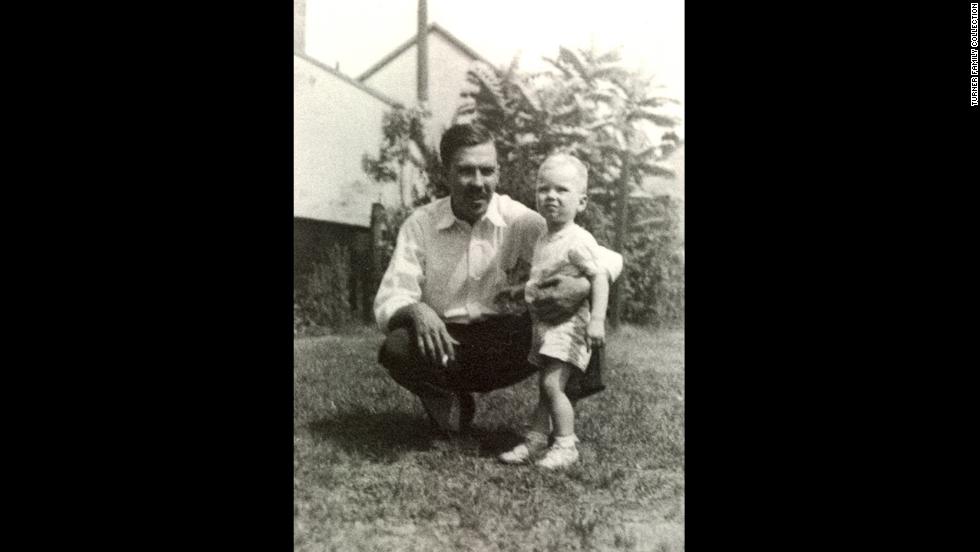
(467, 411)
(440, 440)
(438, 410)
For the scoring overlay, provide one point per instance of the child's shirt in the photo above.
(572, 251)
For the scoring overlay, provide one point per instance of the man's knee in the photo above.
(396, 348)
(400, 358)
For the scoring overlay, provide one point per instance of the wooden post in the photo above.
(373, 271)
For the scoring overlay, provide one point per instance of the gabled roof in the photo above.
(355, 83)
(433, 28)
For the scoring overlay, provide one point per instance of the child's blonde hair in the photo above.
(564, 159)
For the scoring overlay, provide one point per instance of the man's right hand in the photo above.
(559, 297)
(433, 339)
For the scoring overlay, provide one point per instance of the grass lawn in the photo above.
(366, 479)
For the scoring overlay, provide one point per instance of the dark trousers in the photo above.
(492, 354)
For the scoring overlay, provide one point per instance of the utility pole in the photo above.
(422, 53)
(299, 26)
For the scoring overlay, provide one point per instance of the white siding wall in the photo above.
(335, 124)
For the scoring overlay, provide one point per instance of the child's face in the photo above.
(560, 195)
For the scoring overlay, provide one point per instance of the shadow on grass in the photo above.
(375, 436)
(496, 440)
(385, 436)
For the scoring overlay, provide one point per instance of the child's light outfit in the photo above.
(572, 251)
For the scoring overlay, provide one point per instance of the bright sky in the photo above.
(651, 32)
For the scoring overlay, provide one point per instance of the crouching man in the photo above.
(447, 334)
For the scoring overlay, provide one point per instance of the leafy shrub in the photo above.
(394, 218)
(324, 301)
(653, 274)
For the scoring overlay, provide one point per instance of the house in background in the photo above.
(336, 121)
(397, 75)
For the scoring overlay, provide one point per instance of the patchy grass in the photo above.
(366, 479)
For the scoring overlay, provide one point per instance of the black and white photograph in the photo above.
(488, 275)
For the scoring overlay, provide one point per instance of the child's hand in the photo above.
(596, 333)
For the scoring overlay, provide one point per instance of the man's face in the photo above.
(560, 196)
(473, 178)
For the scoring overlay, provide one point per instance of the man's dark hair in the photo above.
(460, 136)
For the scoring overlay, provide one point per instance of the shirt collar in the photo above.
(561, 233)
(446, 218)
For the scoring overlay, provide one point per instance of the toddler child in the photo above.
(558, 349)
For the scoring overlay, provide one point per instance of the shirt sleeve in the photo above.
(611, 262)
(584, 254)
(402, 281)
